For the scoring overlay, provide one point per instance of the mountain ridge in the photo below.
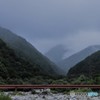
(27, 51)
(56, 53)
(77, 57)
(88, 67)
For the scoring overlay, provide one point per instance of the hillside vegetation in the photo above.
(15, 70)
(87, 70)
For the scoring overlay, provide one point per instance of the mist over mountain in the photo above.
(56, 53)
(71, 61)
(26, 51)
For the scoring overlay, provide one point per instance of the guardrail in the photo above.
(47, 86)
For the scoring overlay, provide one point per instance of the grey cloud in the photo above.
(49, 19)
(42, 17)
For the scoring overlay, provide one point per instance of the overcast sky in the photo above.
(46, 23)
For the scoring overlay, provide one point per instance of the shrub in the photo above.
(5, 97)
(33, 92)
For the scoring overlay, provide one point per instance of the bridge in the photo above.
(48, 86)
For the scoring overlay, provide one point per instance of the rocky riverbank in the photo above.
(49, 96)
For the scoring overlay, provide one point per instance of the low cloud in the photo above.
(83, 39)
(74, 43)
